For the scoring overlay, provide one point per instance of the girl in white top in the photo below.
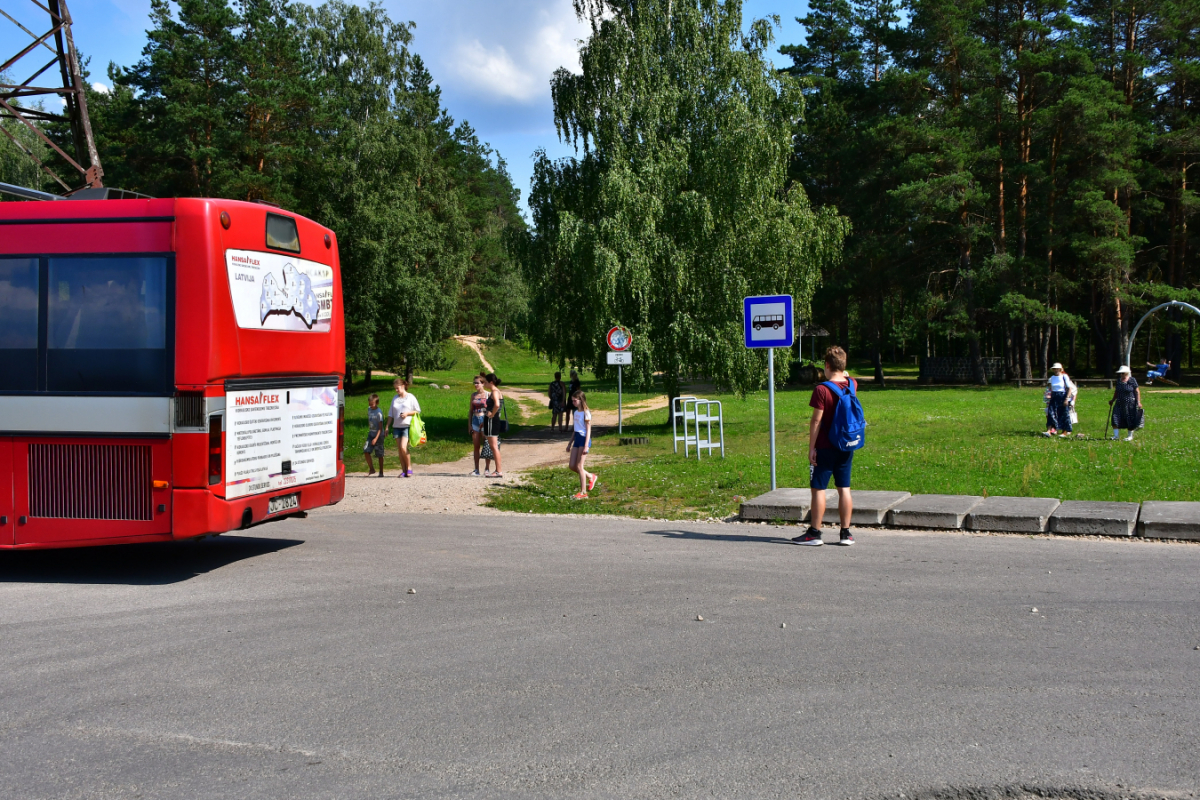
(404, 407)
(581, 443)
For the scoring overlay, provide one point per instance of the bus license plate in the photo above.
(284, 503)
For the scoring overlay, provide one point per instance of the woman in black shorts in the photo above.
(491, 419)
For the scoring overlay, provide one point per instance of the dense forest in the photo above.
(1007, 181)
(1019, 175)
(328, 112)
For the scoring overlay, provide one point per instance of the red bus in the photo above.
(168, 369)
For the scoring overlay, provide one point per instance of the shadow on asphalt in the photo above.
(135, 564)
(720, 537)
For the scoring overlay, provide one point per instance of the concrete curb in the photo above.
(1152, 519)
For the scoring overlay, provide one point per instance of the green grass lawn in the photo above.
(934, 440)
(518, 366)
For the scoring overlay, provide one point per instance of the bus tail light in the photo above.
(341, 439)
(215, 450)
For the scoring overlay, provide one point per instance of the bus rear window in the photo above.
(107, 325)
(282, 234)
(18, 324)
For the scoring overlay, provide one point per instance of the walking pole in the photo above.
(771, 407)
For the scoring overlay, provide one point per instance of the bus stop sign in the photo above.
(769, 324)
(769, 321)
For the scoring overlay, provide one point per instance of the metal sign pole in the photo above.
(771, 408)
(619, 428)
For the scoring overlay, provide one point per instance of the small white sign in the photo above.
(620, 359)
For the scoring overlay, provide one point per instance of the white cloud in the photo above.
(503, 53)
(100, 87)
(493, 71)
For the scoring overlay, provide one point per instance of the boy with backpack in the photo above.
(835, 431)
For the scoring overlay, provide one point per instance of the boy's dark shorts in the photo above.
(831, 463)
(374, 449)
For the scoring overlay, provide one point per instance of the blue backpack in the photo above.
(848, 431)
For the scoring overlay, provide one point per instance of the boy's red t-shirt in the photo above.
(826, 400)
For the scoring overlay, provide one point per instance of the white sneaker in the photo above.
(474, 472)
(1129, 438)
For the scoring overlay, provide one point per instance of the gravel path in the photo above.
(448, 487)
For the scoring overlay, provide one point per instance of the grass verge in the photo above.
(936, 440)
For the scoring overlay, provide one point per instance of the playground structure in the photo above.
(691, 413)
(1132, 336)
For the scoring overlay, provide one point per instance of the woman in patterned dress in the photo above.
(1126, 404)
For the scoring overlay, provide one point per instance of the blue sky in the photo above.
(492, 58)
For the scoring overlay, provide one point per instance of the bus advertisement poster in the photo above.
(278, 292)
(276, 438)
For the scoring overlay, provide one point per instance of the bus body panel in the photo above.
(57, 484)
(198, 512)
(189, 454)
(205, 349)
(8, 523)
(210, 346)
(105, 226)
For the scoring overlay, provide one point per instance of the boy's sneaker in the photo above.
(811, 537)
(847, 538)
(475, 473)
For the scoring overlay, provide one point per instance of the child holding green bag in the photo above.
(400, 415)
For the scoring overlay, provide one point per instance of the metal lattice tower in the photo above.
(19, 101)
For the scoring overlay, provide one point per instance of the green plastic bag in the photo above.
(416, 431)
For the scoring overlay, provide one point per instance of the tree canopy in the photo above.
(1019, 173)
(678, 203)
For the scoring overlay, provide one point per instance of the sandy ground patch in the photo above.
(449, 487)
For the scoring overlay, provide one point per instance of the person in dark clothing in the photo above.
(1126, 404)
(558, 403)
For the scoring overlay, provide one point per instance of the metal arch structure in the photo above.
(18, 100)
(1146, 316)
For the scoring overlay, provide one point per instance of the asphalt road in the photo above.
(563, 658)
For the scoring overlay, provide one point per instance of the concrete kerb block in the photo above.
(1092, 518)
(787, 504)
(870, 508)
(1012, 514)
(946, 511)
(1170, 520)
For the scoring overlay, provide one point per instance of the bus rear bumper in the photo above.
(198, 512)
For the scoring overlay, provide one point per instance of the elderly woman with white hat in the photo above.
(1126, 404)
(1060, 395)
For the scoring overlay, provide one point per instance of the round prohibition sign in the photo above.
(619, 338)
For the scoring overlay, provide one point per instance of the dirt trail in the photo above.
(525, 398)
(449, 488)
